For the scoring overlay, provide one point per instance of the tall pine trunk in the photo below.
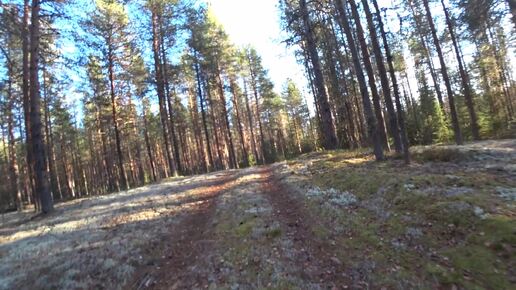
(175, 142)
(258, 114)
(38, 148)
(328, 129)
(370, 73)
(229, 136)
(239, 122)
(251, 123)
(468, 96)
(368, 110)
(382, 71)
(446, 78)
(152, 163)
(396, 89)
(114, 117)
(26, 101)
(428, 57)
(222, 162)
(203, 113)
(11, 142)
(160, 89)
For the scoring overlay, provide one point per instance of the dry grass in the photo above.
(93, 242)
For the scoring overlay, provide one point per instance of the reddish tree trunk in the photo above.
(38, 148)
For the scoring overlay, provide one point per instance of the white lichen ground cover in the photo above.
(94, 242)
(447, 220)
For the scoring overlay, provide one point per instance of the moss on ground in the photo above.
(420, 226)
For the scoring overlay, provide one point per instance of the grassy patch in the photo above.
(441, 154)
(476, 266)
(422, 227)
(245, 228)
(273, 233)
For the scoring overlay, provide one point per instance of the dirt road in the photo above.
(238, 229)
(251, 232)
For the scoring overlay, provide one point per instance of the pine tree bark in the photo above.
(329, 141)
(175, 142)
(11, 142)
(194, 115)
(239, 122)
(446, 79)
(468, 96)
(26, 100)
(161, 90)
(147, 142)
(368, 110)
(222, 161)
(114, 117)
(397, 98)
(251, 123)
(345, 103)
(502, 73)
(258, 113)
(229, 136)
(428, 57)
(382, 71)
(203, 113)
(335, 90)
(38, 148)
(49, 142)
(366, 58)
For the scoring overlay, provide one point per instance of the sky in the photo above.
(257, 23)
(247, 22)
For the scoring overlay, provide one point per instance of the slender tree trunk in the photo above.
(50, 144)
(368, 110)
(397, 98)
(464, 78)
(260, 127)
(147, 142)
(26, 101)
(336, 96)
(382, 132)
(382, 71)
(310, 76)
(502, 73)
(175, 142)
(232, 157)
(203, 114)
(38, 148)
(114, 117)
(251, 123)
(11, 142)
(239, 122)
(428, 58)
(221, 158)
(356, 116)
(194, 115)
(328, 129)
(160, 90)
(345, 103)
(66, 171)
(444, 72)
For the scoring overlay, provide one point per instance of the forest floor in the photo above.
(328, 220)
